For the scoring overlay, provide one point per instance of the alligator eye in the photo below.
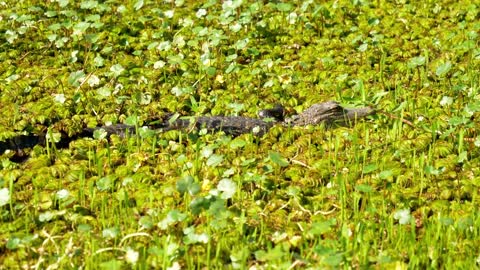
(276, 113)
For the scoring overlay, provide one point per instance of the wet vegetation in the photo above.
(397, 190)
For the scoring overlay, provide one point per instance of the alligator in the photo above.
(330, 113)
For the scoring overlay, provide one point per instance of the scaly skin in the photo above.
(329, 112)
(233, 125)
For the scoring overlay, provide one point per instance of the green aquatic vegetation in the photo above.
(399, 189)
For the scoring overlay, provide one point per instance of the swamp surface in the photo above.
(396, 190)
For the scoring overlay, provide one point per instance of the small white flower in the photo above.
(131, 256)
(121, 9)
(236, 27)
(143, 80)
(60, 98)
(206, 152)
(403, 216)
(169, 14)
(477, 141)
(203, 238)
(292, 18)
(219, 78)
(227, 5)
(446, 101)
(93, 81)
(118, 87)
(206, 61)
(77, 32)
(179, 3)
(227, 187)
(200, 13)
(279, 236)
(179, 41)
(159, 64)
(4, 196)
(62, 194)
(175, 266)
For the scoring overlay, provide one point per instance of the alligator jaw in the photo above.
(316, 114)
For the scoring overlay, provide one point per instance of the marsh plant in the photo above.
(397, 190)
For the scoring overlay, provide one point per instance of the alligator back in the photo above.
(232, 125)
